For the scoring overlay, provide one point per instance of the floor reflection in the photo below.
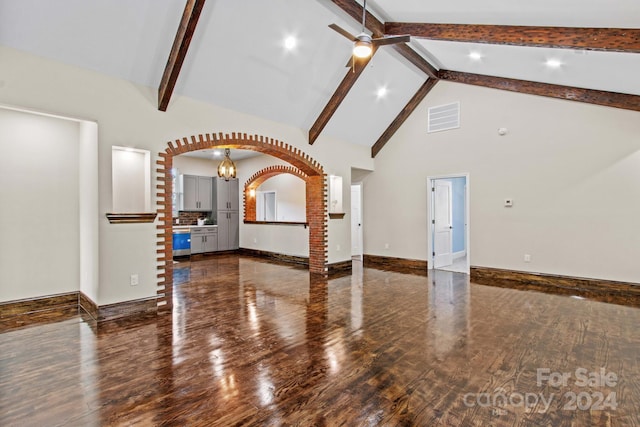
(449, 308)
(254, 343)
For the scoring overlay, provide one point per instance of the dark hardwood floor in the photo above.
(257, 343)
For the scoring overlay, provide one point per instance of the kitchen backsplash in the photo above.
(190, 218)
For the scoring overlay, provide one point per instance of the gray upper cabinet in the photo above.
(197, 193)
(226, 194)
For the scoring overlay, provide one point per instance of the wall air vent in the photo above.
(444, 117)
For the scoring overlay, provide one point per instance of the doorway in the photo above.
(316, 187)
(356, 221)
(266, 206)
(448, 223)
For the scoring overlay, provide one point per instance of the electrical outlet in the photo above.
(337, 247)
(527, 258)
(386, 246)
(134, 280)
(255, 240)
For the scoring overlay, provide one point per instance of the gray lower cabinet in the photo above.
(204, 239)
(228, 230)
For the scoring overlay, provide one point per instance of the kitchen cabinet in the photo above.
(204, 239)
(226, 194)
(226, 197)
(228, 230)
(197, 193)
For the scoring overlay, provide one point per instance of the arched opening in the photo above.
(258, 179)
(315, 198)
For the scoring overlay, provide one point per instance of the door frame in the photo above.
(430, 215)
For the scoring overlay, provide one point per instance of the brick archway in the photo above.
(316, 193)
(257, 179)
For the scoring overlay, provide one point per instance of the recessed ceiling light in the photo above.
(476, 56)
(382, 92)
(290, 42)
(217, 153)
(553, 63)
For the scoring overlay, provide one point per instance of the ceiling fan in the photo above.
(363, 42)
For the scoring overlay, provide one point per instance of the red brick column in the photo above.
(165, 236)
(317, 219)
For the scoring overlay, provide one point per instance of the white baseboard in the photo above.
(460, 254)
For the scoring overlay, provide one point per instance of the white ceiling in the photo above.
(237, 57)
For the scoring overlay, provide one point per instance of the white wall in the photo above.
(127, 115)
(572, 169)
(89, 212)
(39, 218)
(196, 166)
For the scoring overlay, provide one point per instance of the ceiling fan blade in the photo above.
(343, 32)
(391, 40)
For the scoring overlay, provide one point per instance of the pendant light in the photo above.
(226, 168)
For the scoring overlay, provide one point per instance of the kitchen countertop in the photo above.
(188, 227)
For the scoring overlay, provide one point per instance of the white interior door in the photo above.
(442, 229)
(356, 220)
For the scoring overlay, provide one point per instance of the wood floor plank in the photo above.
(256, 343)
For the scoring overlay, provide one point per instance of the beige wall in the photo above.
(39, 218)
(572, 169)
(127, 115)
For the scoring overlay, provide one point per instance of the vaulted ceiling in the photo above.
(232, 53)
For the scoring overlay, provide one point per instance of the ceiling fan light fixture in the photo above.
(226, 168)
(363, 47)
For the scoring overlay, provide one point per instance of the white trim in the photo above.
(46, 113)
(460, 254)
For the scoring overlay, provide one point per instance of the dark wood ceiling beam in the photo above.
(404, 115)
(338, 96)
(354, 10)
(602, 39)
(590, 96)
(179, 50)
